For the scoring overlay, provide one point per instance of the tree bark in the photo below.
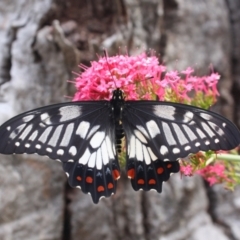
(37, 56)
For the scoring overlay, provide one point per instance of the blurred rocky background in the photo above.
(41, 44)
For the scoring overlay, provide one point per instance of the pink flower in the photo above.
(212, 180)
(214, 173)
(186, 170)
(188, 71)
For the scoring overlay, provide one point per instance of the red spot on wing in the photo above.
(140, 181)
(116, 174)
(160, 170)
(79, 178)
(89, 179)
(100, 189)
(131, 173)
(110, 186)
(152, 182)
(169, 165)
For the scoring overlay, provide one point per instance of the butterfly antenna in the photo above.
(106, 56)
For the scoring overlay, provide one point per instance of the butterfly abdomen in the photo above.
(117, 105)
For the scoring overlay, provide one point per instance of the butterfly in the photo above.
(86, 136)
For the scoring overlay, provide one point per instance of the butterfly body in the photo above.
(87, 137)
(117, 105)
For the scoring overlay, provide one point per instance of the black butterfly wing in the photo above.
(158, 133)
(80, 134)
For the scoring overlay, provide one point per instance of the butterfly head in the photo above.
(118, 94)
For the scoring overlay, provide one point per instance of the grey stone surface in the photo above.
(31, 189)
(31, 197)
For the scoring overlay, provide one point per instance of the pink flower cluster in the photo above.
(214, 173)
(142, 77)
(131, 74)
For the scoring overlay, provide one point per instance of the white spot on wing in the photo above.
(187, 117)
(187, 148)
(132, 147)
(197, 144)
(73, 150)
(139, 151)
(140, 136)
(60, 152)
(15, 132)
(168, 134)
(200, 133)
(38, 146)
(97, 139)
(48, 149)
(26, 131)
(99, 159)
(192, 123)
(17, 144)
(147, 158)
(82, 129)
(44, 136)
(45, 118)
(114, 149)
(224, 124)
(109, 148)
(180, 135)
(207, 142)
(33, 136)
(153, 129)
(216, 128)
(152, 155)
(142, 130)
(67, 135)
(190, 133)
(207, 129)
(206, 116)
(163, 150)
(56, 136)
(8, 128)
(164, 111)
(28, 118)
(176, 150)
(84, 159)
(92, 160)
(27, 145)
(69, 112)
(216, 140)
(93, 130)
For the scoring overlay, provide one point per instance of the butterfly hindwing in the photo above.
(150, 176)
(80, 134)
(159, 133)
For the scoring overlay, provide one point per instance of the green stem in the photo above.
(234, 174)
(227, 157)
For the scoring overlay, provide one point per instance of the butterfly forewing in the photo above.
(80, 134)
(159, 132)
